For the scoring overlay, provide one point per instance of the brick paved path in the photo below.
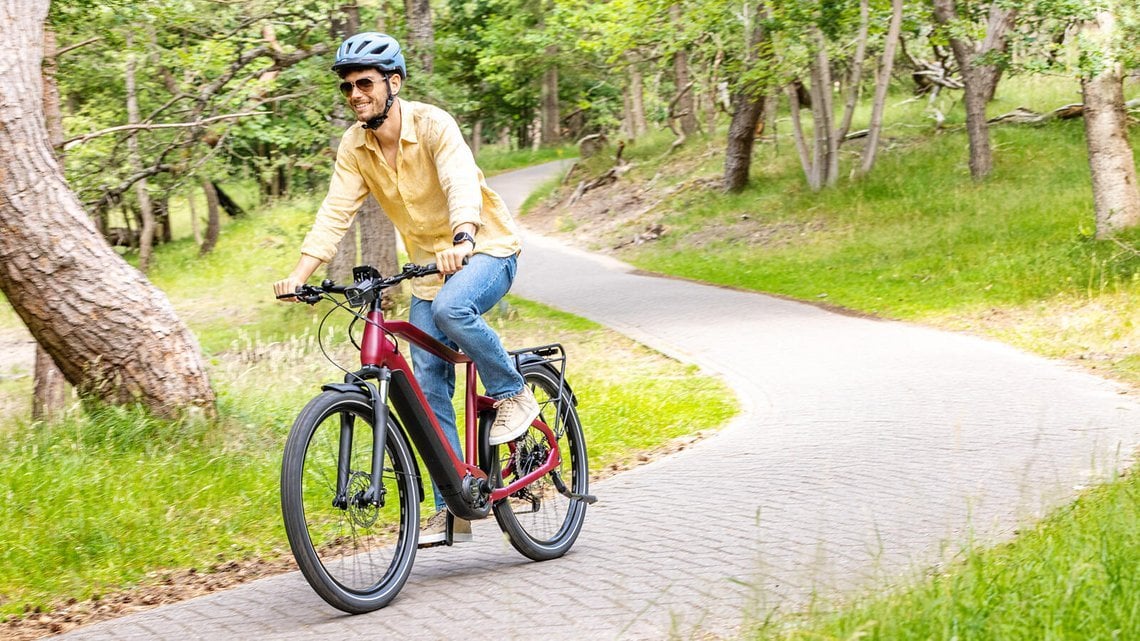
(864, 446)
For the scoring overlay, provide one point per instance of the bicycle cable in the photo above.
(356, 315)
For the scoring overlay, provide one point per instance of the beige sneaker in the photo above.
(515, 414)
(434, 530)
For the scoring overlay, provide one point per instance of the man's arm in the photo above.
(301, 273)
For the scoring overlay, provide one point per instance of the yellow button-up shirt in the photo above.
(435, 187)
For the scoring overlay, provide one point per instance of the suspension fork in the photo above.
(374, 494)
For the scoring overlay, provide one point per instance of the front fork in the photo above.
(374, 493)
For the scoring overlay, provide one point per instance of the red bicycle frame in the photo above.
(465, 486)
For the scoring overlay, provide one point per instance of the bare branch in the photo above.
(77, 45)
(68, 144)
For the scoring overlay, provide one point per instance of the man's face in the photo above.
(368, 102)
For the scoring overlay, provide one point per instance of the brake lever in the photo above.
(305, 294)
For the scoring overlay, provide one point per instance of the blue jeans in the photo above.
(455, 318)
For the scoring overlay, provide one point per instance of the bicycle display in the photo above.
(351, 486)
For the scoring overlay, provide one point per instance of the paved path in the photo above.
(863, 446)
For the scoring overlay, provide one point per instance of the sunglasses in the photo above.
(365, 85)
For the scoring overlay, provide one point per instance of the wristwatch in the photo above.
(464, 237)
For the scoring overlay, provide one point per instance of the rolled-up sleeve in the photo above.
(458, 173)
(346, 194)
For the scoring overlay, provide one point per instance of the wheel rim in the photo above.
(540, 510)
(356, 547)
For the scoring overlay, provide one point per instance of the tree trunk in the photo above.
(377, 238)
(421, 33)
(49, 387)
(476, 137)
(1116, 197)
(747, 108)
(195, 225)
(213, 217)
(146, 210)
(979, 79)
(113, 334)
(824, 162)
(637, 101)
(882, 84)
(686, 105)
(550, 111)
(856, 77)
(798, 137)
(977, 127)
(346, 257)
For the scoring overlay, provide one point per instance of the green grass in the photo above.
(494, 159)
(1075, 575)
(1013, 257)
(99, 502)
(916, 238)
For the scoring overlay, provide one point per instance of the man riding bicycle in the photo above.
(413, 159)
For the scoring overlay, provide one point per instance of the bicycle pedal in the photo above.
(433, 544)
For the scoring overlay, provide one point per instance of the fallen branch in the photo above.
(1021, 115)
(611, 176)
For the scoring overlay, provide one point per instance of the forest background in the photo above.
(147, 124)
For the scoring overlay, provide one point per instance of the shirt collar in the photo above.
(360, 135)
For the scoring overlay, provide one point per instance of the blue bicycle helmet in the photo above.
(371, 49)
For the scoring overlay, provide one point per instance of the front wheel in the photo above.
(355, 553)
(540, 521)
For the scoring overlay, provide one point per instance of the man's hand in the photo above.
(451, 260)
(301, 273)
(285, 287)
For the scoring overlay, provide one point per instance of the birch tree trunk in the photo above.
(824, 160)
(113, 334)
(1116, 197)
(882, 85)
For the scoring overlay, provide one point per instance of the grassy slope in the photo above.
(102, 501)
(1012, 257)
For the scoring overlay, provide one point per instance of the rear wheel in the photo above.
(358, 555)
(541, 522)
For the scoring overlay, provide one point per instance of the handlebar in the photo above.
(367, 283)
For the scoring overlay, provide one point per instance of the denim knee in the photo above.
(451, 316)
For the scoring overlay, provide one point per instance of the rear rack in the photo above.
(555, 356)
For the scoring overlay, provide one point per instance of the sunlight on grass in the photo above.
(101, 501)
(1073, 576)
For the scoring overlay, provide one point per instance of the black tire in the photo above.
(540, 522)
(356, 558)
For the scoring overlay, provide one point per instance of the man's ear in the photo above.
(397, 82)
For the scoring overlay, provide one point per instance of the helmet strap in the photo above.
(375, 121)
